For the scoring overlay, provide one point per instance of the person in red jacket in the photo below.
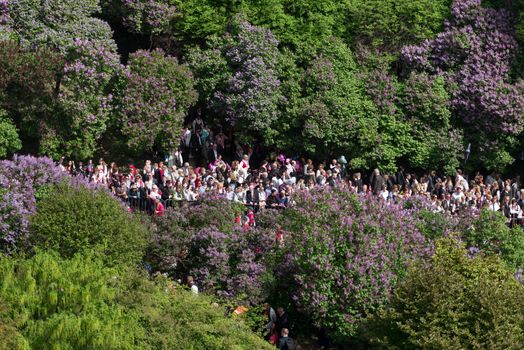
(251, 217)
(159, 208)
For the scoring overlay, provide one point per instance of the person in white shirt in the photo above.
(461, 181)
(191, 284)
(458, 196)
(494, 205)
(155, 194)
(514, 209)
(384, 194)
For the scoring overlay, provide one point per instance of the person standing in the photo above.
(282, 321)
(285, 342)
(376, 182)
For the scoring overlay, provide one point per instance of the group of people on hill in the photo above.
(274, 181)
(212, 163)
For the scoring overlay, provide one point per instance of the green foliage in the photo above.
(27, 88)
(327, 108)
(176, 319)
(66, 304)
(491, 234)
(390, 24)
(456, 302)
(9, 139)
(71, 220)
(10, 338)
(54, 303)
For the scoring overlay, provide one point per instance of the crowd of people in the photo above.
(264, 180)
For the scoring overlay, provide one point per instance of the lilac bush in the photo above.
(156, 99)
(5, 20)
(251, 95)
(474, 53)
(346, 253)
(20, 180)
(231, 264)
(150, 17)
(203, 240)
(85, 96)
(70, 28)
(57, 24)
(247, 94)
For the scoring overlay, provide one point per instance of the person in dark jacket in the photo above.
(376, 182)
(401, 179)
(213, 153)
(282, 320)
(252, 198)
(272, 200)
(285, 342)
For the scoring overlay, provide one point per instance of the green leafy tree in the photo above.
(176, 319)
(391, 24)
(71, 220)
(28, 81)
(10, 337)
(425, 104)
(329, 112)
(80, 303)
(9, 139)
(455, 302)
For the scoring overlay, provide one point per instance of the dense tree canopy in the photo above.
(382, 82)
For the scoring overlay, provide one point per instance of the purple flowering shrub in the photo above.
(204, 240)
(474, 54)
(20, 180)
(73, 121)
(346, 253)
(148, 17)
(157, 95)
(231, 264)
(5, 21)
(23, 181)
(172, 233)
(243, 89)
(86, 99)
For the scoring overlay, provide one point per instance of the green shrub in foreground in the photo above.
(56, 303)
(66, 304)
(174, 318)
(457, 302)
(73, 219)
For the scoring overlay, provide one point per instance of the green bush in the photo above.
(10, 338)
(174, 318)
(491, 234)
(457, 302)
(73, 219)
(9, 139)
(66, 304)
(78, 303)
